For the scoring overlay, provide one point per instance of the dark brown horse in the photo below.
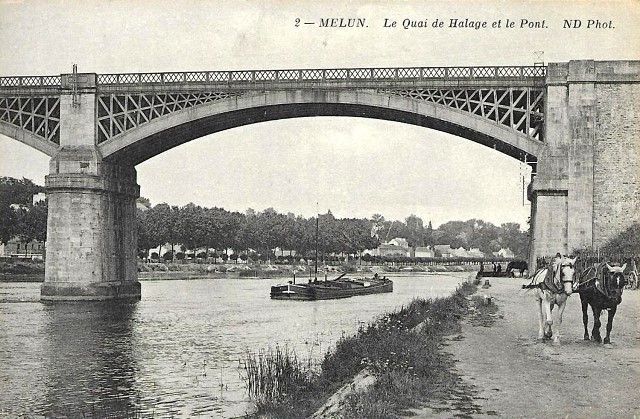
(521, 265)
(601, 288)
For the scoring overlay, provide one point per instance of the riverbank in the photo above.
(483, 361)
(400, 353)
(33, 271)
(21, 270)
(506, 372)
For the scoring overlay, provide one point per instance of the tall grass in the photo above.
(401, 348)
(276, 377)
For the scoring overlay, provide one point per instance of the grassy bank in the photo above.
(401, 349)
(21, 270)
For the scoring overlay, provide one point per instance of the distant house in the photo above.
(423, 252)
(398, 241)
(505, 253)
(395, 247)
(15, 248)
(475, 253)
(444, 250)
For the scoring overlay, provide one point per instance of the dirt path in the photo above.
(509, 374)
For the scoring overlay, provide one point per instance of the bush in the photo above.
(625, 243)
(168, 256)
(180, 256)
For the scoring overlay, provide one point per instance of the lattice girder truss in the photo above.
(120, 113)
(519, 108)
(37, 115)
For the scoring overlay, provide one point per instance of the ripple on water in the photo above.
(174, 353)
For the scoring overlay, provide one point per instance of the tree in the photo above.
(415, 231)
(428, 235)
(32, 222)
(512, 238)
(8, 222)
(625, 243)
(189, 224)
(144, 240)
(17, 192)
(161, 223)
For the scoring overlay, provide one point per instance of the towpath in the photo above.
(507, 373)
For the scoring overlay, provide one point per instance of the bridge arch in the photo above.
(29, 138)
(168, 131)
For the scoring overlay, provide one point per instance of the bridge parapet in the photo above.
(436, 76)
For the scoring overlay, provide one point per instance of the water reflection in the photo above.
(89, 365)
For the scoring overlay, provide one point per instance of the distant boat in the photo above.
(340, 287)
(326, 290)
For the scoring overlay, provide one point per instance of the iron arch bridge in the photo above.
(137, 116)
(571, 121)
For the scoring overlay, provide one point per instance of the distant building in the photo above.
(398, 241)
(444, 250)
(38, 198)
(15, 248)
(504, 253)
(475, 253)
(423, 252)
(395, 247)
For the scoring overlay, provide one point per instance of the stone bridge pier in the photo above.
(587, 188)
(91, 228)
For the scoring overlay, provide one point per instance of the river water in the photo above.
(175, 353)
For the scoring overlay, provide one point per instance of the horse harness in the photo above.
(549, 281)
(597, 278)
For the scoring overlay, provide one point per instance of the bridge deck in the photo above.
(489, 76)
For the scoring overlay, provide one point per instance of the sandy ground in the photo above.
(508, 373)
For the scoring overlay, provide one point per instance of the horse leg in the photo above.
(585, 317)
(595, 332)
(610, 316)
(556, 335)
(548, 307)
(541, 319)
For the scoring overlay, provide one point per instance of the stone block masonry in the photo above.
(588, 185)
(91, 229)
(616, 178)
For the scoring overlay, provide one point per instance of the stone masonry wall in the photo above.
(616, 160)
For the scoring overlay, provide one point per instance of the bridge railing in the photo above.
(293, 76)
(30, 81)
(311, 75)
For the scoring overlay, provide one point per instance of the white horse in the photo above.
(552, 288)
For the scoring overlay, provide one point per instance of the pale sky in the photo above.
(355, 167)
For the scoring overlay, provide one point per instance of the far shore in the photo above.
(33, 271)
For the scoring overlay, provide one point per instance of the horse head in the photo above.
(615, 282)
(567, 269)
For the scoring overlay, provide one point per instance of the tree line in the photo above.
(197, 227)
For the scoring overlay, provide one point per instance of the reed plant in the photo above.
(276, 378)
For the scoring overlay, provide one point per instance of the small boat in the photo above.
(485, 274)
(497, 272)
(340, 287)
